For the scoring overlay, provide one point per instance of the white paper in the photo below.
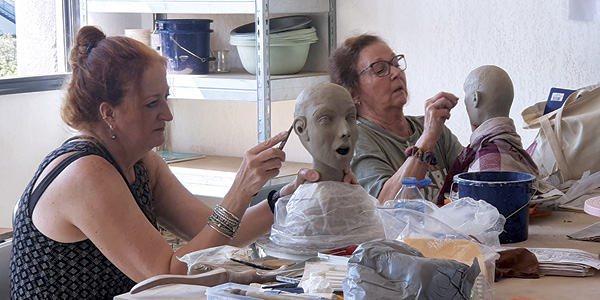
(565, 262)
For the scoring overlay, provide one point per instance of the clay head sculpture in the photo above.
(325, 122)
(488, 94)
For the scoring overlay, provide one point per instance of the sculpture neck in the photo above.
(327, 173)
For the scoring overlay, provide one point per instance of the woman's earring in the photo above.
(113, 136)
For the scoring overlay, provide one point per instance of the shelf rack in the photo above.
(237, 85)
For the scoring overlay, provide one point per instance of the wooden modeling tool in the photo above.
(286, 138)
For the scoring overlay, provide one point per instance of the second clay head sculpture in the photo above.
(325, 122)
(488, 94)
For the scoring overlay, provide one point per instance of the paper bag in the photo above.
(568, 140)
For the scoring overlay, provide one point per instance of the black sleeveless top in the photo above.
(41, 268)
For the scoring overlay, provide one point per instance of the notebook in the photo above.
(556, 99)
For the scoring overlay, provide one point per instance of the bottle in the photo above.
(408, 193)
(410, 190)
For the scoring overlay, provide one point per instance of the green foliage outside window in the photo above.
(8, 55)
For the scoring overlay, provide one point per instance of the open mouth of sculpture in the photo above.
(342, 150)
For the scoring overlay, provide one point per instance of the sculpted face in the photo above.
(325, 121)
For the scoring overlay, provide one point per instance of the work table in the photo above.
(551, 232)
(547, 232)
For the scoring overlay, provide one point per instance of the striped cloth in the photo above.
(495, 146)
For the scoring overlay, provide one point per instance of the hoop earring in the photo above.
(113, 136)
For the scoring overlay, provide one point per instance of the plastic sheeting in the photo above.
(325, 215)
(462, 219)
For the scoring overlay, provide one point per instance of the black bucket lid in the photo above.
(276, 25)
(177, 25)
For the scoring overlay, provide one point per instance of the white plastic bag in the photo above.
(325, 215)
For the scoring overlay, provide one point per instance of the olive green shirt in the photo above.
(379, 154)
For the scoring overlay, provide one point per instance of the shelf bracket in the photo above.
(263, 72)
(332, 25)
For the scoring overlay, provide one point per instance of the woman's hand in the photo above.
(261, 163)
(437, 111)
(349, 176)
(311, 175)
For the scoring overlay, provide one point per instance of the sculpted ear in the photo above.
(476, 99)
(300, 128)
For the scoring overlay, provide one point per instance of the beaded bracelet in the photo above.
(426, 157)
(272, 199)
(224, 222)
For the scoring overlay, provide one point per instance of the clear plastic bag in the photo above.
(463, 219)
(325, 215)
(211, 258)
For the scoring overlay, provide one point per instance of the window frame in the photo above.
(30, 84)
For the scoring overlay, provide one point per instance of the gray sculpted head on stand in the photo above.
(325, 122)
(488, 94)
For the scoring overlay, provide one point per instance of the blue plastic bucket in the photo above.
(186, 44)
(509, 192)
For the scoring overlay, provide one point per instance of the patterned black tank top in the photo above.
(41, 268)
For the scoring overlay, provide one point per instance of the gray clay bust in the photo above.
(488, 94)
(325, 122)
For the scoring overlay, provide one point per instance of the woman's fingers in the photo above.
(261, 163)
(349, 176)
(268, 143)
(311, 175)
(437, 111)
(303, 176)
(442, 100)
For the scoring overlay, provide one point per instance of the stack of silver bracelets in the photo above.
(224, 222)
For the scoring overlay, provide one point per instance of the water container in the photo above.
(186, 44)
(408, 193)
(509, 192)
(409, 190)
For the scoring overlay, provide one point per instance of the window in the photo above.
(34, 40)
(8, 40)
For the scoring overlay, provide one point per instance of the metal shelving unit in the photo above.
(239, 86)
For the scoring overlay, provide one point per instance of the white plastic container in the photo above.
(288, 50)
(283, 59)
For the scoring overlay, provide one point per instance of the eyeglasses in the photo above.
(382, 68)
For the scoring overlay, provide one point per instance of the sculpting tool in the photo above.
(286, 138)
(247, 263)
(270, 296)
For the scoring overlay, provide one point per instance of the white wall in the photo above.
(444, 40)
(30, 128)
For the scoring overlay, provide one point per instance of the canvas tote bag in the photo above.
(568, 141)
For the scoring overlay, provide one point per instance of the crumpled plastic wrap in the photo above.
(389, 269)
(204, 260)
(463, 219)
(325, 215)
